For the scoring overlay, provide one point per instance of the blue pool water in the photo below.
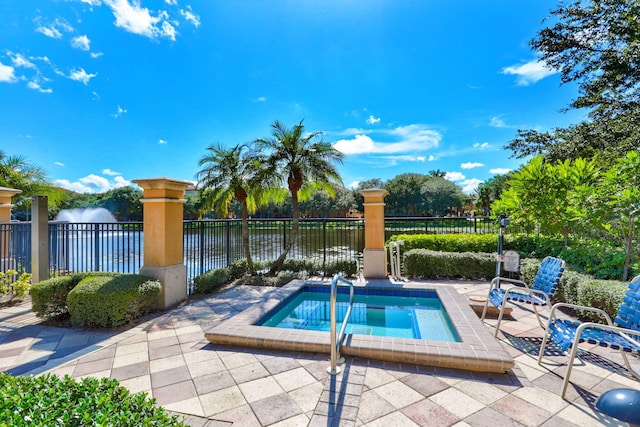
(379, 312)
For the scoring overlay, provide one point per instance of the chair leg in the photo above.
(543, 346)
(540, 322)
(574, 352)
(628, 365)
(484, 311)
(502, 307)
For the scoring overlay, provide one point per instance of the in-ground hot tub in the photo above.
(469, 345)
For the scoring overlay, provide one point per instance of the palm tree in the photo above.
(227, 174)
(304, 164)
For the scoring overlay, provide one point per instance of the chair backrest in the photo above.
(629, 312)
(548, 276)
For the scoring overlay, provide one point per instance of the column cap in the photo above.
(162, 183)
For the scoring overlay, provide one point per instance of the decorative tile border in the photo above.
(478, 350)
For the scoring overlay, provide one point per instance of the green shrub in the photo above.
(298, 265)
(603, 294)
(49, 400)
(335, 266)
(211, 280)
(49, 297)
(12, 288)
(448, 242)
(107, 300)
(424, 263)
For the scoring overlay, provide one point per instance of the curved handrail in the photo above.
(336, 339)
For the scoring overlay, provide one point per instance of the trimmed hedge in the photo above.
(107, 301)
(424, 263)
(49, 400)
(211, 280)
(49, 297)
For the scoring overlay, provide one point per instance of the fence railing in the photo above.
(209, 244)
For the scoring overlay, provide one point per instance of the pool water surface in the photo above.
(377, 315)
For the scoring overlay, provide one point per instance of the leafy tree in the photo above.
(441, 196)
(540, 195)
(405, 194)
(124, 203)
(614, 205)
(303, 164)
(490, 191)
(227, 174)
(594, 44)
(16, 172)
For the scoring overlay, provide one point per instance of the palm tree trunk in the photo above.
(295, 207)
(245, 238)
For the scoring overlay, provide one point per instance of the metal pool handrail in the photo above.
(336, 339)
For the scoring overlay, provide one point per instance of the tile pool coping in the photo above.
(478, 350)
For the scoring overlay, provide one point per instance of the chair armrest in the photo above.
(517, 289)
(581, 307)
(516, 282)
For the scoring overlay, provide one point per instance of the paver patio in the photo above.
(168, 358)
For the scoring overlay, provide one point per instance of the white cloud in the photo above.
(260, 99)
(171, 2)
(471, 165)
(7, 74)
(530, 72)
(190, 16)
(80, 75)
(169, 30)
(454, 176)
(353, 185)
(409, 138)
(93, 184)
(497, 122)
(20, 61)
(372, 120)
(139, 20)
(470, 185)
(162, 141)
(81, 42)
(92, 2)
(499, 171)
(120, 111)
(36, 86)
(481, 146)
(50, 32)
(58, 164)
(110, 172)
(432, 158)
(96, 54)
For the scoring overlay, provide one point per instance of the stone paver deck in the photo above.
(168, 357)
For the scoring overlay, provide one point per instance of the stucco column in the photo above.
(5, 216)
(375, 258)
(163, 213)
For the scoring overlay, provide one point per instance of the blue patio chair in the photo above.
(623, 334)
(539, 293)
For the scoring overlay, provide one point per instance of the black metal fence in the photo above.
(209, 244)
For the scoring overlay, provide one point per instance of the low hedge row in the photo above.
(596, 258)
(96, 299)
(291, 269)
(49, 400)
(425, 263)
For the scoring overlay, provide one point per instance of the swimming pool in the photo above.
(476, 350)
(388, 315)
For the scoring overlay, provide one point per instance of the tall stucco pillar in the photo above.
(5, 216)
(39, 238)
(163, 213)
(375, 258)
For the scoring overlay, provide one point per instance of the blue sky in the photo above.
(101, 92)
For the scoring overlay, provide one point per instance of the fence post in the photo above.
(227, 244)
(163, 214)
(375, 259)
(39, 239)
